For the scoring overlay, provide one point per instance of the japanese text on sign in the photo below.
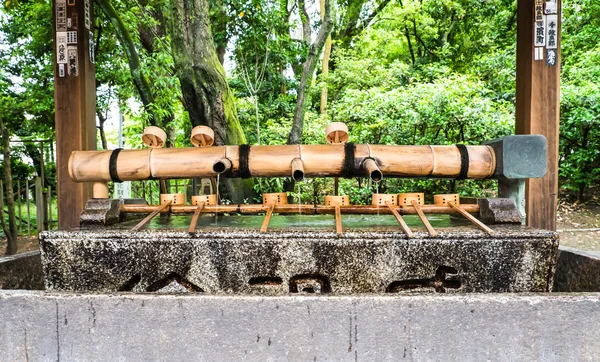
(61, 48)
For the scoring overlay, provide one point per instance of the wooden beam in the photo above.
(74, 99)
(537, 110)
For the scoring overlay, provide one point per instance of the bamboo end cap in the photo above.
(154, 137)
(202, 136)
(336, 132)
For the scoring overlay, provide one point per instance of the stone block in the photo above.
(460, 259)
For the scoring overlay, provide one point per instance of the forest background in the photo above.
(278, 71)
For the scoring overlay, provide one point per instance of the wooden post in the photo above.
(49, 199)
(75, 100)
(19, 206)
(42, 164)
(40, 210)
(538, 105)
(28, 209)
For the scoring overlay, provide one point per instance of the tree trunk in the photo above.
(11, 231)
(140, 81)
(308, 68)
(206, 94)
(325, 65)
(101, 121)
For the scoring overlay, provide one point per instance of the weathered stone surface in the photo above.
(104, 212)
(494, 210)
(577, 271)
(233, 261)
(22, 271)
(498, 211)
(37, 326)
(100, 212)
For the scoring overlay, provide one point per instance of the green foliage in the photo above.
(402, 72)
(580, 138)
(580, 99)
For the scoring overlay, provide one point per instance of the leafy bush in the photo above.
(580, 138)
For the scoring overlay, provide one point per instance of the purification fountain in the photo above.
(395, 245)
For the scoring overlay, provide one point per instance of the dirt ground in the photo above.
(577, 224)
(25, 243)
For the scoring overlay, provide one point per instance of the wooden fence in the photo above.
(33, 206)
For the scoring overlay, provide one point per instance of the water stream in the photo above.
(218, 201)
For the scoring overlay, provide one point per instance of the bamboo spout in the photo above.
(370, 166)
(222, 165)
(297, 170)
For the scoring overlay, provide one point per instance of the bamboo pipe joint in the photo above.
(100, 190)
(222, 165)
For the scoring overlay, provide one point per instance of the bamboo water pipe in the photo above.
(276, 161)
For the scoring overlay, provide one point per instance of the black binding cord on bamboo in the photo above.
(244, 155)
(464, 162)
(349, 165)
(112, 165)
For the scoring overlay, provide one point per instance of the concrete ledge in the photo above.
(22, 271)
(577, 271)
(141, 327)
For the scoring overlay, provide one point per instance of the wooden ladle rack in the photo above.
(395, 204)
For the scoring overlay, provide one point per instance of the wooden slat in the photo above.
(401, 221)
(195, 218)
(423, 218)
(148, 218)
(471, 218)
(265, 224)
(338, 220)
(538, 112)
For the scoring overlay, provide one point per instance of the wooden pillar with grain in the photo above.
(74, 99)
(538, 99)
